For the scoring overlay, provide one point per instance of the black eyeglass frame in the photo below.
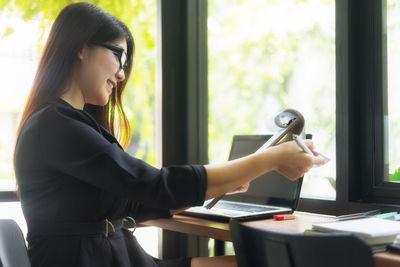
(119, 52)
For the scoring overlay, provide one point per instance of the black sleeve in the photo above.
(70, 145)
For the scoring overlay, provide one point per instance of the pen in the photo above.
(359, 215)
(214, 201)
(299, 141)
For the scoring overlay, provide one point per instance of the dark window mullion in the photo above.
(375, 188)
(367, 107)
(343, 82)
(182, 25)
(361, 81)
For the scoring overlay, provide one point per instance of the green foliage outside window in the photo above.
(265, 56)
(395, 177)
(140, 17)
(248, 71)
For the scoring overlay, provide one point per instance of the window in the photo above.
(265, 56)
(365, 112)
(364, 56)
(393, 62)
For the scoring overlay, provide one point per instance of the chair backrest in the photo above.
(13, 251)
(263, 248)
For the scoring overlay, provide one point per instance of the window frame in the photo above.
(182, 83)
(361, 104)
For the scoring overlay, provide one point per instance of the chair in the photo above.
(263, 248)
(13, 251)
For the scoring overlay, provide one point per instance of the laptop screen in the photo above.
(271, 188)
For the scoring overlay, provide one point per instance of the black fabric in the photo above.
(71, 170)
(105, 228)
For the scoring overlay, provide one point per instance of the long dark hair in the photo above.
(76, 25)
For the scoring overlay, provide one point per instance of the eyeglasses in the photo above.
(119, 52)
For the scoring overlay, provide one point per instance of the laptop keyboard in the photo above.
(242, 207)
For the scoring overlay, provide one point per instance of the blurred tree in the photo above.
(265, 56)
(253, 57)
(140, 17)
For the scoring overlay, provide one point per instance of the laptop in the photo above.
(268, 195)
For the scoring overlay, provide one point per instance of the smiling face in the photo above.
(99, 72)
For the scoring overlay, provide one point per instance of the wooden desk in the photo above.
(220, 231)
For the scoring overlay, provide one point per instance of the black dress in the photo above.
(76, 184)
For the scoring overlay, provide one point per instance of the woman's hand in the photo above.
(291, 161)
(233, 176)
(240, 189)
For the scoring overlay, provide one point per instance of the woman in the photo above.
(76, 183)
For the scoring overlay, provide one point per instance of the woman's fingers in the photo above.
(240, 189)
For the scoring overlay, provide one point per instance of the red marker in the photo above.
(281, 217)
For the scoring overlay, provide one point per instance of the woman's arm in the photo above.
(288, 159)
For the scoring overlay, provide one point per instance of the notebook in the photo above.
(372, 230)
(267, 195)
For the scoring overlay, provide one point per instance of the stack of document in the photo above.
(373, 231)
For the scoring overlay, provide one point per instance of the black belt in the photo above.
(105, 227)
